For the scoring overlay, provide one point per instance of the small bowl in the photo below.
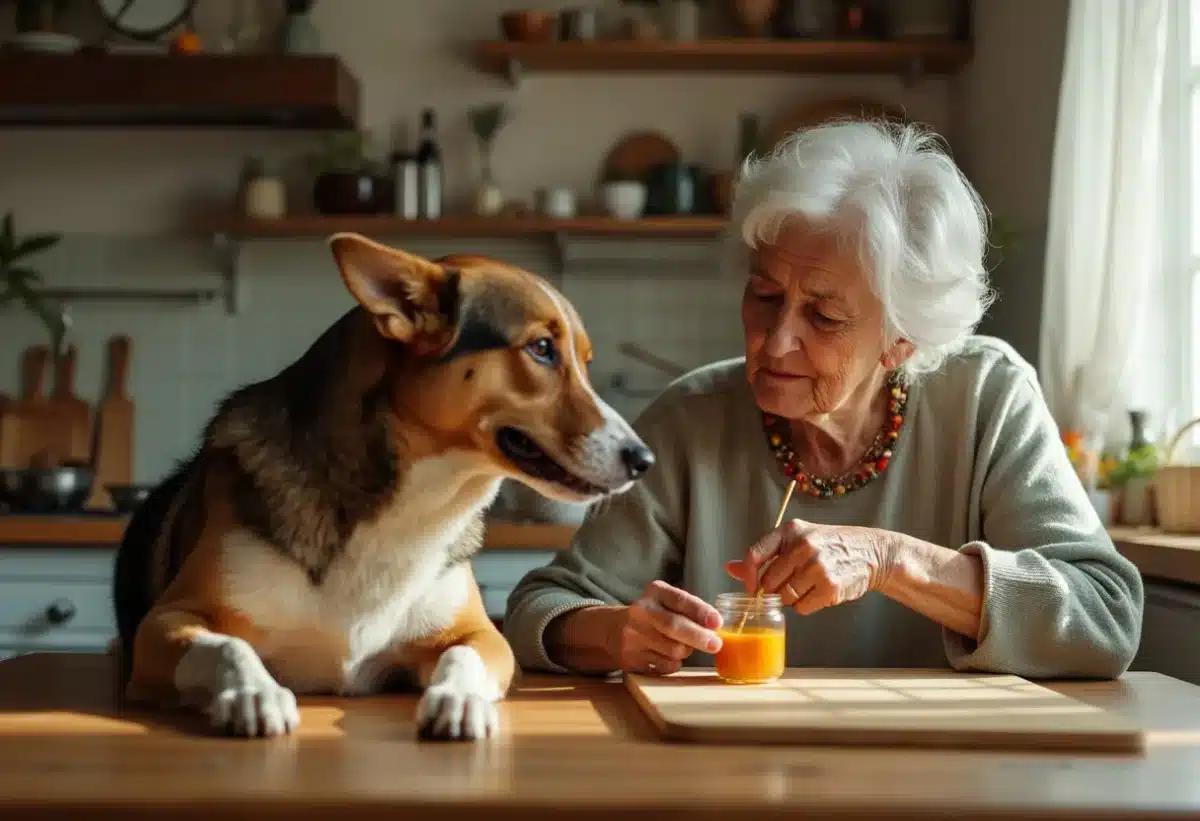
(529, 26)
(62, 489)
(127, 498)
(624, 199)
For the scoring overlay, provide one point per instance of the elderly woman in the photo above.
(936, 521)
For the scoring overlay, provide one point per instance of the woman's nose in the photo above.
(782, 338)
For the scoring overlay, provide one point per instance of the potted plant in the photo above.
(347, 180)
(486, 122)
(20, 282)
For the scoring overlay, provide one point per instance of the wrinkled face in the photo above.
(814, 329)
(494, 360)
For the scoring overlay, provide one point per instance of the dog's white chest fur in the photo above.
(388, 587)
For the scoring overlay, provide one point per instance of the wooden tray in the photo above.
(895, 708)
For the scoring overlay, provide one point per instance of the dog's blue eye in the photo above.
(543, 350)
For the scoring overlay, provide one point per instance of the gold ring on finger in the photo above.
(792, 590)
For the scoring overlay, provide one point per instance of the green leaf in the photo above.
(26, 275)
(34, 243)
(38, 305)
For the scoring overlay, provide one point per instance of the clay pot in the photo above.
(352, 192)
(754, 16)
(529, 26)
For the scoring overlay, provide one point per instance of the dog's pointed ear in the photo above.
(413, 300)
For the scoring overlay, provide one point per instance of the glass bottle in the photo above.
(429, 165)
(753, 638)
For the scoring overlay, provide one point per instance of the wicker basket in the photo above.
(1177, 490)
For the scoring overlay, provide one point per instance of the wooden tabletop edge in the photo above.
(105, 531)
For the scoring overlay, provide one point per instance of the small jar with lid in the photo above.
(753, 638)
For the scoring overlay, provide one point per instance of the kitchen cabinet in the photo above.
(1171, 631)
(59, 599)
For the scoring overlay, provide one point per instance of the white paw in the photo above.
(255, 710)
(243, 698)
(447, 711)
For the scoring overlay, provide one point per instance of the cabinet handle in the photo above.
(60, 611)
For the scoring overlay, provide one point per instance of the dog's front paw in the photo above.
(255, 709)
(242, 697)
(453, 713)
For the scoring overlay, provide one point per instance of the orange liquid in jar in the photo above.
(756, 655)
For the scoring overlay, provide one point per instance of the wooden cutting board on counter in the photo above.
(26, 430)
(894, 708)
(71, 415)
(114, 426)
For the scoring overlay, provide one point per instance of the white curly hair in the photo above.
(919, 227)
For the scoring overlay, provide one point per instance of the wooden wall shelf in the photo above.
(734, 56)
(230, 233)
(202, 90)
(467, 226)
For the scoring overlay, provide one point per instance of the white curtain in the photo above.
(1104, 240)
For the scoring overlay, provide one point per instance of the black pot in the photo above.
(352, 192)
(673, 189)
(805, 19)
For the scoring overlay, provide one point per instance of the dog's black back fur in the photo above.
(304, 455)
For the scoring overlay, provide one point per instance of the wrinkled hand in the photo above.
(664, 627)
(812, 567)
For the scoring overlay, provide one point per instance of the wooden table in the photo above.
(571, 748)
(106, 531)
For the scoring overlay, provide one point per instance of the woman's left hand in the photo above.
(812, 566)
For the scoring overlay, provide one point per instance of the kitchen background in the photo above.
(127, 200)
(138, 210)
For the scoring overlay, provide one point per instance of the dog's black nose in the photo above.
(637, 459)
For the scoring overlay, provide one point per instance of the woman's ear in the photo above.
(899, 353)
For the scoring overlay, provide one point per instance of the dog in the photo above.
(318, 539)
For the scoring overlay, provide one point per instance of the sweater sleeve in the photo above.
(1059, 600)
(624, 543)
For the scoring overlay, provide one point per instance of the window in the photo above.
(1177, 305)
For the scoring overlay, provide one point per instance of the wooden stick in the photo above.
(787, 497)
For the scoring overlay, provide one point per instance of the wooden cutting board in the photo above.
(113, 458)
(72, 415)
(636, 155)
(34, 432)
(921, 708)
(10, 433)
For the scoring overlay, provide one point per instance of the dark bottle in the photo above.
(429, 167)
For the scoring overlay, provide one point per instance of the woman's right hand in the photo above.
(664, 627)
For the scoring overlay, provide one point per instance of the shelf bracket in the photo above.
(558, 251)
(228, 251)
(512, 72)
(913, 71)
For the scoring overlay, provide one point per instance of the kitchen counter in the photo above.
(1173, 558)
(570, 748)
(1164, 556)
(104, 530)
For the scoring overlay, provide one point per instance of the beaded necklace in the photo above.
(872, 464)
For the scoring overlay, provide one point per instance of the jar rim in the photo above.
(749, 599)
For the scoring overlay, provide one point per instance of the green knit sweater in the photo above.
(979, 468)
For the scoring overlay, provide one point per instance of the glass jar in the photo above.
(753, 638)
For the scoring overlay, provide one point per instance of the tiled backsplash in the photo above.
(669, 297)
